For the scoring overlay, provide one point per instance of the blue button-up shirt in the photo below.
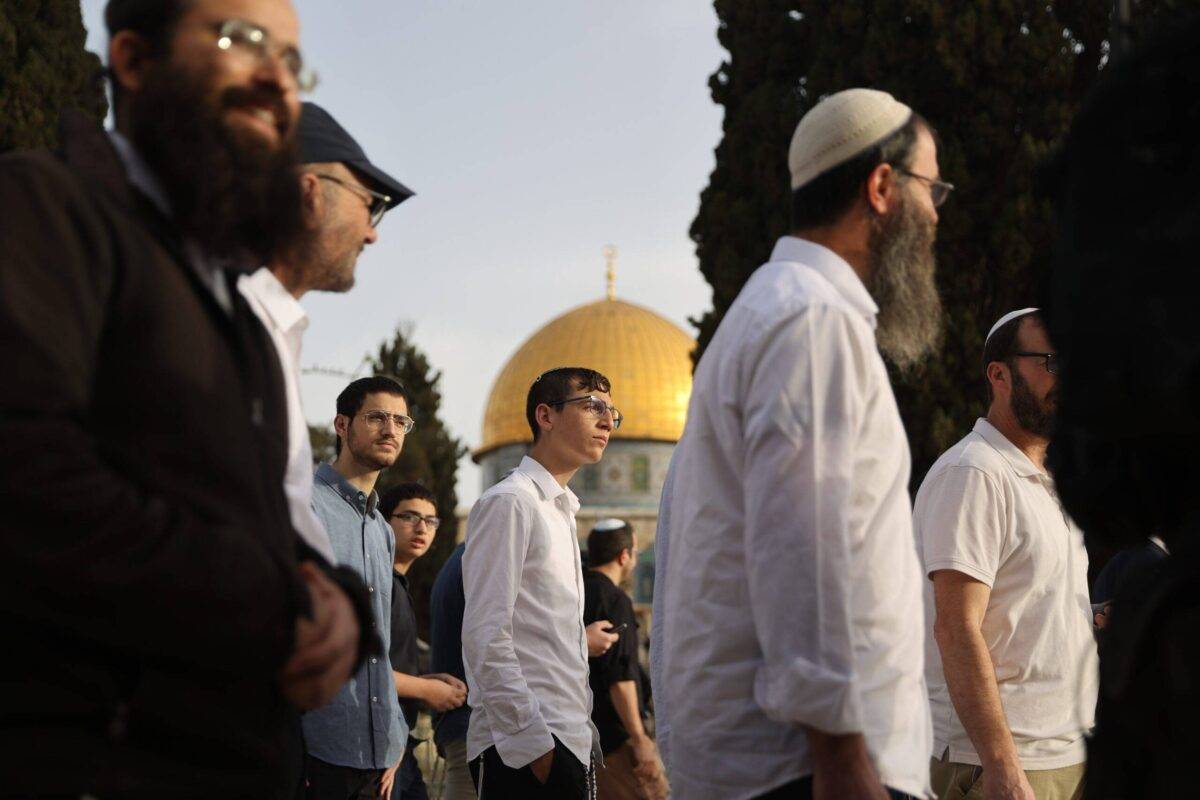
(363, 727)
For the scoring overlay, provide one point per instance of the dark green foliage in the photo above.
(430, 456)
(44, 67)
(1000, 81)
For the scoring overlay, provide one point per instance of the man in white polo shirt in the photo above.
(1010, 657)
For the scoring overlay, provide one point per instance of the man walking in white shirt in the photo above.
(791, 601)
(336, 180)
(1010, 657)
(524, 644)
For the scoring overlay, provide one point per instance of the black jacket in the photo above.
(148, 582)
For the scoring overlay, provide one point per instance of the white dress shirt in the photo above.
(987, 511)
(285, 320)
(523, 639)
(792, 594)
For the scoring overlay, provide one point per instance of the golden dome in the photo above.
(647, 358)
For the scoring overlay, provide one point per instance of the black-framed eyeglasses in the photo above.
(412, 518)
(377, 202)
(378, 419)
(1049, 360)
(241, 37)
(938, 190)
(594, 406)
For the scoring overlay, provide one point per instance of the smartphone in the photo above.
(618, 628)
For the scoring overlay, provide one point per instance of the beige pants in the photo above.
(617, 781)
(458, 784)
(953, 781)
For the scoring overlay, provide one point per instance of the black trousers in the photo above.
(568, 779)
(325, 781)
(802, 790)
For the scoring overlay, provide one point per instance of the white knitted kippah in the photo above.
(1009, 317)
(840, 127)
(610, 524)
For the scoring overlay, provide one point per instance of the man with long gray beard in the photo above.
(791, 601)
(1010, 657)
(163, 621)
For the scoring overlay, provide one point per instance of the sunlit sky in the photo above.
(534, 132)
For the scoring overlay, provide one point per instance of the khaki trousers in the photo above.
(617, 781)
(953, 781)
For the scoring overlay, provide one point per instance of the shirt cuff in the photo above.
(526, 745)
(801, 692)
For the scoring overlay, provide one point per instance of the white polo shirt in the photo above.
(987, 511)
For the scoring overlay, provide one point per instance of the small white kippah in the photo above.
(1009, 317)
(840, 127)
(610, 524)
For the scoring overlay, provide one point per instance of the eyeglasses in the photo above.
(1049, 360)
(412, 518)
(594, 406)
(377, 202)
(938, 190)
(248, 40)
(377, 419)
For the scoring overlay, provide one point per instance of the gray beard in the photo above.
(910, 321)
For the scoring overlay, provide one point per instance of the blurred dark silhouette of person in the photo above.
(163, 622)
(1121, 307)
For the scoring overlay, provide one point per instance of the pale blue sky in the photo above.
(534, 132)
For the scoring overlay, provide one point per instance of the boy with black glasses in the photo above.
(524, 643)
(411, 510)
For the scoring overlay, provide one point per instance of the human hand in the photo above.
(842, 768)
(1100, 618)
(441, 695)
(388, 779)
(648, 771)
(542, 765)
(446, 678)
(1006, 782)
(599, 640)
(325, 647)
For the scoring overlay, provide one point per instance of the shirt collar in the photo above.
(283, 309)
(139, 172)
(1019, 462)
(833, 268)
(348, 491)
(545, 482)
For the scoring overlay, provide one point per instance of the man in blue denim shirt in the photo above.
(352, 742)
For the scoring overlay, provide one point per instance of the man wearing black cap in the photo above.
(343, 197)
(162, 620)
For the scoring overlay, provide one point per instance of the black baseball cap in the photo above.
(322, 139)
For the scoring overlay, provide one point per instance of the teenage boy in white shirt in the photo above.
(525, 646)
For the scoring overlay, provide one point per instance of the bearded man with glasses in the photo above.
(361, 735)
(1010, 659)
(166, 622)
(524, 643)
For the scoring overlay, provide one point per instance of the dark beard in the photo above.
(909, 325)
(238, 199)
(1034, 416)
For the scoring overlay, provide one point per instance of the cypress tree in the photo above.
(44, 68)
(430, 456)
(1000, 81)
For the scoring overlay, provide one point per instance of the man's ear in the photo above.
(882, 186)
(544, 419)
(341, 425)
(312, 201)
(129, 60)
(998, 373)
